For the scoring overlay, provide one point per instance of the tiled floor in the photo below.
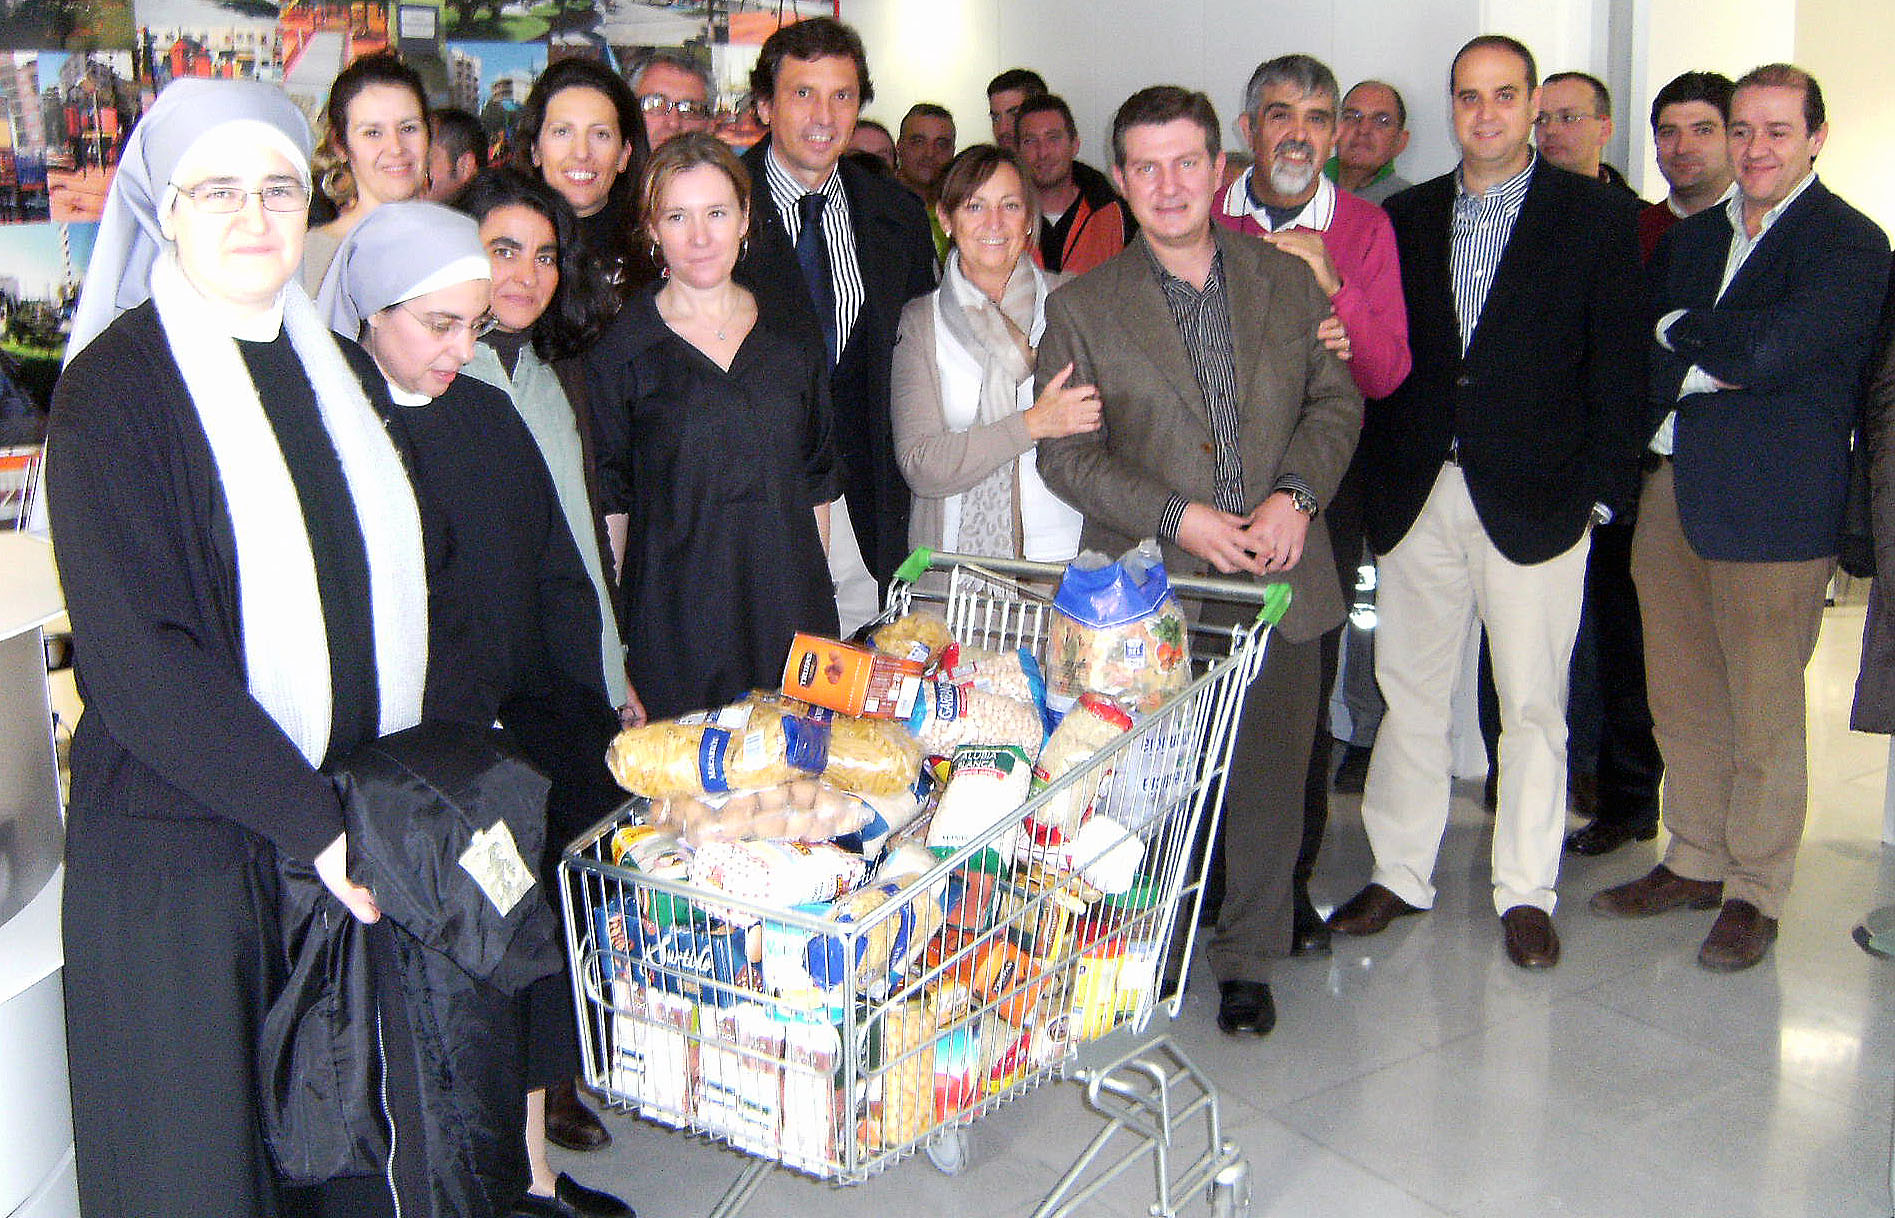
(1419, 1074)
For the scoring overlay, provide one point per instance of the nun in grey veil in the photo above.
(242, 559)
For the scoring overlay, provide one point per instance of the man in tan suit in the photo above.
(1227, 425)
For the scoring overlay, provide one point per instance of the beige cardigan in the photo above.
(937, 462)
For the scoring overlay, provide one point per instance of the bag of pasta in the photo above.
(919, 636)
(737, 748)
(1117, 631)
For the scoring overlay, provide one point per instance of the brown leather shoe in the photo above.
(1659, 890)
(569, 1123)
(1369, 912)
(1531, 940)
(1738, 939)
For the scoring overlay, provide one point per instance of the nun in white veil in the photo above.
(242, 559)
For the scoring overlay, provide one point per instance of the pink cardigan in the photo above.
(1361, 243)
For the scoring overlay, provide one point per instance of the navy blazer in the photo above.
(1547, 400)
(895, 250)
(1762, 470)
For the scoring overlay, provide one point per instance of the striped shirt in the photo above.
(1204, 321)
(845, 273)
(1483, 224)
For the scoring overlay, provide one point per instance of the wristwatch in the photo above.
(1303, 501)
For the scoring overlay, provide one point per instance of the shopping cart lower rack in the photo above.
(992, 974)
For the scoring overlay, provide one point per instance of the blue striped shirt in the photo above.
(1483, 224)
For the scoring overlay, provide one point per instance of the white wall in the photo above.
(1095, 53)
(1843, 43)
(1728, 36)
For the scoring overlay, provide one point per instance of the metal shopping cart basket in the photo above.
(983, 979)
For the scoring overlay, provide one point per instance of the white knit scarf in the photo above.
(285, 641)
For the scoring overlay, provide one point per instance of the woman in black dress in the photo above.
(242, 561)
(722, 459)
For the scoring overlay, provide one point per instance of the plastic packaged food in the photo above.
(1091, 725)
(850, 679)
(778, 873)
(800, 811)
(1102, 853)
(947, 716)
(901, 1091)
(919, 636)
(1015, 674)
(987, 788)
(871, 756)
(737, 747)
(1117, 630)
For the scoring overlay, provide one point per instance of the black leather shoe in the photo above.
(1245, 1006)
(531, 1206)
(1353, 774)
(570, 1125)
(1309, 934)
(1603, 837)
(589, 1202)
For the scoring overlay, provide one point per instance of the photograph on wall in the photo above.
(66, 25)
(40, 270)
(491, 80)
(66, 118)
(208, 39)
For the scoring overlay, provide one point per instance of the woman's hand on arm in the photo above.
(1063, 409)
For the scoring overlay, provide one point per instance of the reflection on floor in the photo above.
(1418, 1073)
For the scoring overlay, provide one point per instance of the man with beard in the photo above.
(1083, 221)
(1289, 120)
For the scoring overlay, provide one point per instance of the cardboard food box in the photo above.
(849, 679)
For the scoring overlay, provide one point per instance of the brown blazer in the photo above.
(1300, 414)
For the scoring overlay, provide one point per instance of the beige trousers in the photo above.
(1443, 576)
(1726, 644)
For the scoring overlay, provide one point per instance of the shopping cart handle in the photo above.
(1273, 598)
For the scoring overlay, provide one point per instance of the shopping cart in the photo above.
(838, 1050)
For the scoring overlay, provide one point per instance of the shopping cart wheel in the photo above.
(1230, 1191)
(950, 1150)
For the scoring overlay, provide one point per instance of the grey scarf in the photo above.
(995, 337)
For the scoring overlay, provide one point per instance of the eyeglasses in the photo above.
(443, 326)
(222, 199)
(1383, 120)
(1563, 118)
(685, 108)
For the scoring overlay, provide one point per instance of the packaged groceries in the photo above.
(901, 1082)
(919, 636)
(1009, 975)
(988, 786)
(654, 1056)
(803, 810)
(850, 679)
(778, 873)
(1091, 725)
(739, 747)
(740, 1077)
(1102, 853)
(871, 756)
(812, 1109)
(1117, 630)
(946, 716)
(1015, 673)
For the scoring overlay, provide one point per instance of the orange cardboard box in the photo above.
(850, 679)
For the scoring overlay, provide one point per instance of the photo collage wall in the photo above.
(76, 74)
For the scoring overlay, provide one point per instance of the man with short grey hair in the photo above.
(1289, 121)
(674, 93)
